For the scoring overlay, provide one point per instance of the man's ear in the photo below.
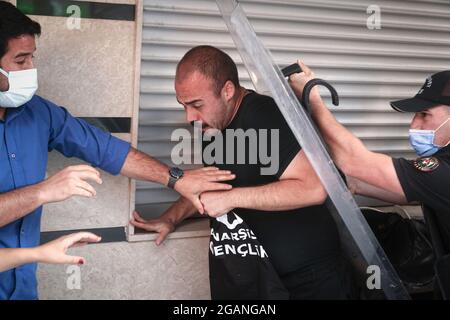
(4, 83)
(228, 90)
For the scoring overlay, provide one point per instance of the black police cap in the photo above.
(434, 92)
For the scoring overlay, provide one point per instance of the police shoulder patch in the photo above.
(426, 164)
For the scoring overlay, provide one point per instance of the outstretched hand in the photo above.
(69, 182)
(56, 250)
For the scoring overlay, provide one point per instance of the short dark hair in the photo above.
(211, 62)
(13, 24)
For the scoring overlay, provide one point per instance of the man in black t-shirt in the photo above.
(273, 238)
(425, 179)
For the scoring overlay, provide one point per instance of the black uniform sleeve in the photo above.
(429, 187)
(264, 114)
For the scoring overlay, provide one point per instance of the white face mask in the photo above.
(22, 87)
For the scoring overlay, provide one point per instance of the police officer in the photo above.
(397, 180)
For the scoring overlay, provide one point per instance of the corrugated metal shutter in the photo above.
(369, 68)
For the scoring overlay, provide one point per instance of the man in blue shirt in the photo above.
(30, 127)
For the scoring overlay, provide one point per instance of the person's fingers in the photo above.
(74, 260)
(90, 238)
(141, 225)
(88, 175)
(218, 172)
(304, 67)
(136, 223)
(161, 237)
(223, 177)
(209, 169)
(86, 186)
(79, 244)
(82, 193)
(84, 167)
(202, 200)
(198, 205)
(81, 237)
(212, 186)
(296, 74)
(137, 217)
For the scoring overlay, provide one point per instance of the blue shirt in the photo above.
(26, 136)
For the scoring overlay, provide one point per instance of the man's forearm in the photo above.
(277, 196)
(344, 146)
(18, 203)
(141, 166)
(179, 211)
(352, 156)
(362, 188)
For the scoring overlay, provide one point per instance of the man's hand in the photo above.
(299, 80)
(162, 226)
(195, 182)
(69, 182)
(141, 166)
(56, 250)
(217, 203)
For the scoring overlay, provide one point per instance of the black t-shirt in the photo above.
(293, 239)
(427, 180)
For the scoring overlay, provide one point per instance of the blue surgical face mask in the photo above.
(423, 141)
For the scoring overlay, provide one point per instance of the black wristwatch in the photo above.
(174, 175)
